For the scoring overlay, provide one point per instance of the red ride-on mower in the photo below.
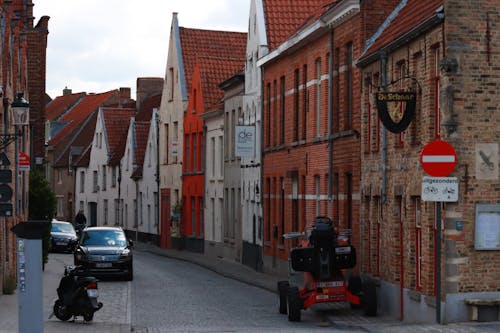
(322, 258)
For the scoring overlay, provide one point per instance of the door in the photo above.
(165, 218)
(92, 222)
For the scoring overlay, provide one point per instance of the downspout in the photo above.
(261, 173)
(383, 72)
(157, 217)
(330, 115)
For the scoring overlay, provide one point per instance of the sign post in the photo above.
(438, 159)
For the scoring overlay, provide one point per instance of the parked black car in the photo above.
(105, 251)
(63, 237)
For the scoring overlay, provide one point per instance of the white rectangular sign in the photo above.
(245, 141)
(443, 189)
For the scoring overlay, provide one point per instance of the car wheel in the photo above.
(369, 298)
(282, 289)
(355, 288)
(88, 316)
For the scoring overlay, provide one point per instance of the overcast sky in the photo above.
(100, 45)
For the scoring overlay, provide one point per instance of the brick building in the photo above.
(311, 127)
(22, 70)
(447, 54)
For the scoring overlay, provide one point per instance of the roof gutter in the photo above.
(426, 25)
(332, 18)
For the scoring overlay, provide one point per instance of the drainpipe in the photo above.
(261, 167)
(157, 210)
(383, 72)
(330, 116)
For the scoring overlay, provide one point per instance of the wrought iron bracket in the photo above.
(7, 139)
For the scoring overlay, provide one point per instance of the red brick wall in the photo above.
(309, 158)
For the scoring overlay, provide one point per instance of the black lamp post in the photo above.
(20, 116)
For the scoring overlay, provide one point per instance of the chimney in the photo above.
(66, 91)
(124, 95)
(146, 87)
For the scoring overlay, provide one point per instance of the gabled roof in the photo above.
(116, 122)
(284, 17)
(141, 132)
(408, 15)
(209, 43)
(61, 104)
(212, 72)
(146, 111)
(79, 113)
(81, 140)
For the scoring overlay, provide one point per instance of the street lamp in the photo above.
(20, 116)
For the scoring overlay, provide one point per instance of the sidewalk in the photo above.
(342, 318)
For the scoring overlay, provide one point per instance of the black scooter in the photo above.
(77, 295)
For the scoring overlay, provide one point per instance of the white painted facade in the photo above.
(214, 180)
(173, 104)
(251, 167)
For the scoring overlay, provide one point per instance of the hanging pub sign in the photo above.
(396, 109)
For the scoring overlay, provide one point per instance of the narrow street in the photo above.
(171, 296)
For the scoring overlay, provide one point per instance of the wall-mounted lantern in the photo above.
(21, 117)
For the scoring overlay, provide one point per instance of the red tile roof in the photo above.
(141, 142)
(116, 122)
(80, 112)
(285, 16)
(146, 111)
(409, 17)
(60, 105)
(83, 137)
(211, 43)
(212, 72)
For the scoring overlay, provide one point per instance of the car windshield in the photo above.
(63, 227)
(104, 238)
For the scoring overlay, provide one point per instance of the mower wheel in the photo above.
(355, 288)
(369, 299)
(294, 304)
(282, 290)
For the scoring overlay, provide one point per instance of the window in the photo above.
(304, 102)
(195, 153)
(437, 97)
(212, 156)
(117, 211)
(167, 144)
(227, 133)
(336, 95)
(135, 213)
(212, 206)
(348, 202)
(149, 214)
(233, 130)
(187, 163)
(105, 211)
(274, 133)
(374, 115)
(96, 187)
(221, 157)
(202, 152)
(368, 109)
(201, 218)
(140, 217)
(348, 86)
(60, 205)
(296, 101)
(171, 77)
(414, 127)
(104, 180)
(156, 208)
(318, 194)
(282, 208)
(268, 108)
(318, 97)
(176, 141)
(282, 109)
(193, 216)
(379, 212)
(113, 177)
(268, 210)
(59, 176)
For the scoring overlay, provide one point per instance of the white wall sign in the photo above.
(245, 141)
(487, 231)
(443, 189)
(175, 148)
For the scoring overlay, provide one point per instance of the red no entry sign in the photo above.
(438, 158)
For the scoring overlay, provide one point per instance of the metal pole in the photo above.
(438, 263)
